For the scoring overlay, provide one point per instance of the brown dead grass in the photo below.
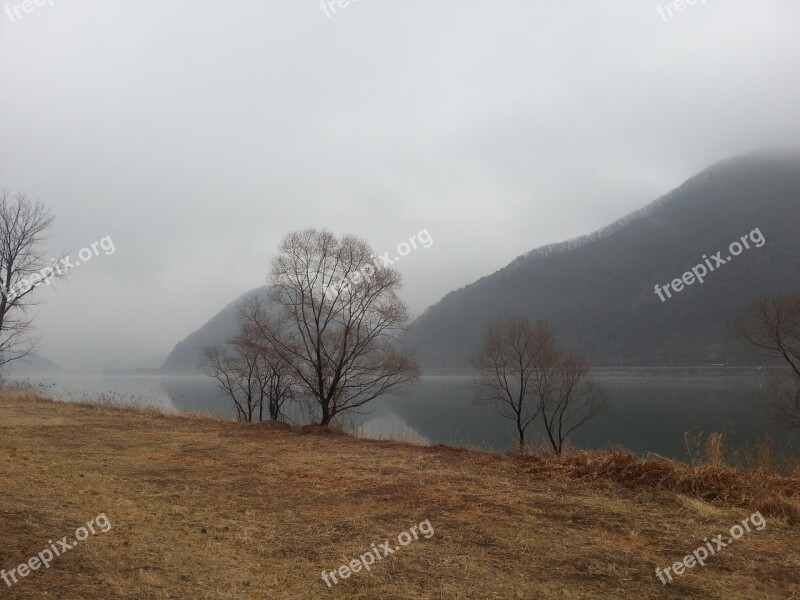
(209, 509)
(772, 495)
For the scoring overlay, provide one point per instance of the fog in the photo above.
(196, 134)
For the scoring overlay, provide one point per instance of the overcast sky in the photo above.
(197, 133)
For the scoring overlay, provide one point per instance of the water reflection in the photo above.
(644, 414)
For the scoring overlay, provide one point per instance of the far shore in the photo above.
(697, 371)
(686, 371)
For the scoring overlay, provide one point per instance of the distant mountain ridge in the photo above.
(598, 290)
(580, 241)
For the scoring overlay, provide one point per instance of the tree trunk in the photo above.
(326, 415)
(274, 410)
(556, 446)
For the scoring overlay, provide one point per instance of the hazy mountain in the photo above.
(32, 365)
(186, 356)
(598, 290)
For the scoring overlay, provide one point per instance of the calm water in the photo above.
(644, 414)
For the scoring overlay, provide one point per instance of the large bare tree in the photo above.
(334, 318)
(772, 327)
(511, 358)
(23, 224)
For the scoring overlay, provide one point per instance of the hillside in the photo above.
(598, 290)
(599, 293)
(186, 356)
(32, 364)
(197, 508)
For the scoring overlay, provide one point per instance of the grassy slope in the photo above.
(280, 506)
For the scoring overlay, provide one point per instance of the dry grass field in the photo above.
(220, 510)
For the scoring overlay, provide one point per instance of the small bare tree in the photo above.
(772, 327)
(513, 354)
(521, 370)
(276, 382)
(234, 366)
(276, 386)
(335, 318)
(23, 224)
(568, 398)
(251, 376)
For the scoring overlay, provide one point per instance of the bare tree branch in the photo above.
(23, 224)
(772, 327)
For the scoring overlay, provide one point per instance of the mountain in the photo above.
(33, 364)
(186, 356)
(599, 290)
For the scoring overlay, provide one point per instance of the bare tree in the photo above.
(251, 376)
(521, 370)
(335, 319)
(512, 356)
(276, 386)
(234, 366)
(772, 327)
(275, 380)
(568, 397)
(23, 224)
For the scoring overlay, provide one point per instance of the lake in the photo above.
(644, 414)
